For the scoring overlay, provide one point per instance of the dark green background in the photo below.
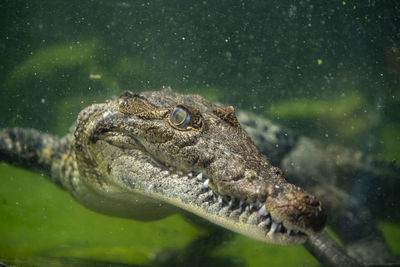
(326, 69)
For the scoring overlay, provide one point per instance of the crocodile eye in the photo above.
(180, 117)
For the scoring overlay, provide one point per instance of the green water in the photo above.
(330, 71)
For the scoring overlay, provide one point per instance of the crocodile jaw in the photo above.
(150, 183)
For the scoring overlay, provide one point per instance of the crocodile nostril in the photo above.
(306, 211)
(311, 200)
(311, 211)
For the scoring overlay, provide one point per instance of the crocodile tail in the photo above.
(33, 150)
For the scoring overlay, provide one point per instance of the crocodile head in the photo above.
(140, 151)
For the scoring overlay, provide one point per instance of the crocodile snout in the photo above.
(297, 209)
(307, 211)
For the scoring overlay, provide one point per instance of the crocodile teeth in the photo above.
(259, 215)
(263, 211)
(205, 184)
(279, 228)
(230, 203)
(274, 225)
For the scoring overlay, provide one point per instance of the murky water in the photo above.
(329, 71)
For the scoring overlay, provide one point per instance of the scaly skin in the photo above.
(132, 157)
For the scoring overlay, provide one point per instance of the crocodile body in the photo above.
(146, 156)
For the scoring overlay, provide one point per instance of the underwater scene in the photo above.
(326, 74)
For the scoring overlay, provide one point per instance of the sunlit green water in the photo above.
(326, 70)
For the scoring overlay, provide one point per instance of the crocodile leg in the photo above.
(32, 150)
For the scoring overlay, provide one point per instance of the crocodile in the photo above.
(146, 156)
